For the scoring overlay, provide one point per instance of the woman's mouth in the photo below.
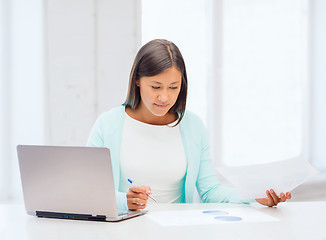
(160, 105)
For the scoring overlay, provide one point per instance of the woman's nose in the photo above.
(163, 96)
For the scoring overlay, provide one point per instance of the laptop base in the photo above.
(88, 217)
(73, 216)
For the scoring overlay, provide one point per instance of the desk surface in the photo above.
(298, 220)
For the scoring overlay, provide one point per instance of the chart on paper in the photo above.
(209, 216)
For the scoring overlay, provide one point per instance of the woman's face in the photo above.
(159, 93)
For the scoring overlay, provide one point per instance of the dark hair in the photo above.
(152, 59)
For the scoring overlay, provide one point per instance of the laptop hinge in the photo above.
(71, 216)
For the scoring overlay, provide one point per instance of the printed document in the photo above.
(281, 176)
(226, 215)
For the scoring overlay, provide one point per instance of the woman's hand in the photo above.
(137, 197)
(272, 199)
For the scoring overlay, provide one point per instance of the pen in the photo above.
(133, 183)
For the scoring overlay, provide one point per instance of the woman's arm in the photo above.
(96, 139)
(211, 191)
(208, 186)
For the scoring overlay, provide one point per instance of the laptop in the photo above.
(69, 183)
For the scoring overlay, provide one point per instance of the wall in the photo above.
(90, 47)
(64, 62)
(318, 84)
(22, 115)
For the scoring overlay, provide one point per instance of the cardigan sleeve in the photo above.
(96, 139)
(208, 186)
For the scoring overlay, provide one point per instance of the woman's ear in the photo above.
(137, 83)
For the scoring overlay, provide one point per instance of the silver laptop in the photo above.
(69, 183)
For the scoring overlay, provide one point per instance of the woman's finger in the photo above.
(288, 195)
(135, 206)
(270, 201)
(132, 195)
(132, 206)
(276, 199)
(137, 192)
(283, 197)
(138, 201)
(141, 189)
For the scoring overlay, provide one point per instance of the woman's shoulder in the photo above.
(191, 118)
(193, 127)
(112, 114)
(192, 122)
(111, 119)
(106, 124)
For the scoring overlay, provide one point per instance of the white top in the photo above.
(153, 155)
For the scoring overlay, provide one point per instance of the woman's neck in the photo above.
(149, 118)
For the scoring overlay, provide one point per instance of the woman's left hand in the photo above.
(272, 199)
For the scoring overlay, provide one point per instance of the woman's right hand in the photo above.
(137, 197)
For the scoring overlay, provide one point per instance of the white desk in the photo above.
(298, 220)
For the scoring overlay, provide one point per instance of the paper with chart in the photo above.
(282, 176)
(226, 215)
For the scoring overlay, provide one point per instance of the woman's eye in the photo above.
(173, 87)
(155, 87)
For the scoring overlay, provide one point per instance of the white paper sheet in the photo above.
(209, 216)
(282, 176)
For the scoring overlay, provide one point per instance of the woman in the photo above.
(156, 142)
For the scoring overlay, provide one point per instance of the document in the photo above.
(281, 176)
(227, 215)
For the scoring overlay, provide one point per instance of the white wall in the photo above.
(22, 115)
(4, 96)
(90, 50)
(190, 19)
(64, 63)
(318, 84)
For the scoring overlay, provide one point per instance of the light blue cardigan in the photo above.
(107, 132)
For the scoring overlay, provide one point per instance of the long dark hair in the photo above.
(152, 59)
